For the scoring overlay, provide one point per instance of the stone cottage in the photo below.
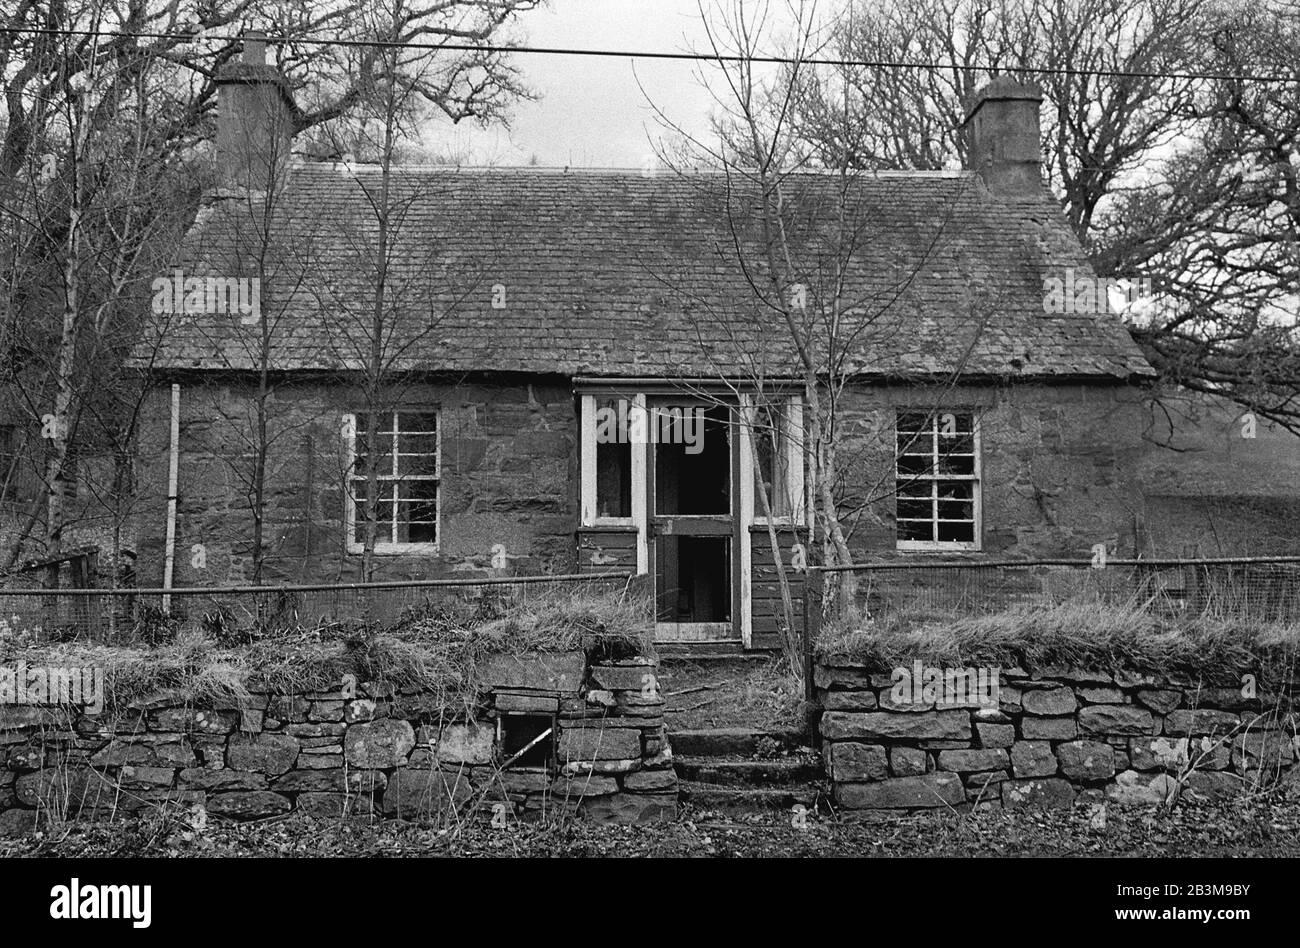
(581, 372)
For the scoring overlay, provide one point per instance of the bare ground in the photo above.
(1256, 828)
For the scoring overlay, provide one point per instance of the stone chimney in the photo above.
(255, 120)
(1003, 142)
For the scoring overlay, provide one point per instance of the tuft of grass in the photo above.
(1078, 633)
(437, 647)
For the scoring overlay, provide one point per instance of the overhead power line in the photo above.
(651, 54)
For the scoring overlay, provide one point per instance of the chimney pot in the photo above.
(255, 47)
(1004, 147)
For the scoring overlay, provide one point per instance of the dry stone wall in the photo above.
(357, 748)
(1052, 737)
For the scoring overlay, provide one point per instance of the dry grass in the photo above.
(758, 695)
(436, 648)
(1080, 633)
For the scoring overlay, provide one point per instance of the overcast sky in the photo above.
(590, 111)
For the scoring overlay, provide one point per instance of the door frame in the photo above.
(742, 483)
(713, 525)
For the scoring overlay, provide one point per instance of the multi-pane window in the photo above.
(937, 480)
(407, 476)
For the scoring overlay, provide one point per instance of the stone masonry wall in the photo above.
(353, 749)
(1058, 464)
(1054, 736)
(509, 483)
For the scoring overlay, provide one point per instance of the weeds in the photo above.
(436, 647)
(1073, 633)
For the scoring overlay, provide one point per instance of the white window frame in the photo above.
(588, 462)
(390, 546)
(792, 415)
(587, 473)
(976, 479)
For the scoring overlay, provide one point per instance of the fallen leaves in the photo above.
(1254, 828)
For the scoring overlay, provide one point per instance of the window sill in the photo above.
(394, 549)
(931, 546)
(609, 525)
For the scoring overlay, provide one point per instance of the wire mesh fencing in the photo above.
(232, 612)
(1256, 589)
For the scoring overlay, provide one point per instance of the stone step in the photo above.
(728, 741)
(707, 652)
(723, 771)
(708, 796)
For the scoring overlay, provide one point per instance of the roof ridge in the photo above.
(300, 164)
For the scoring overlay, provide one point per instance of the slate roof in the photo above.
(622, 273)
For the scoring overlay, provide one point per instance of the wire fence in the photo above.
(1265, 589)
(232, 612)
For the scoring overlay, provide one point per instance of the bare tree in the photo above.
(810, 321)
(1187, 182)
(393, 287)
(82, 222)
(71, 97)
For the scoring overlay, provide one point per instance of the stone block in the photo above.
(547, 671)
(1116, 719)
(592, 743)
(1033, 759)
(1048, 702)
(469, 743)
(1086, 761)
(378, 744)
(907, 761)
(971, 761)
(1048, 729)
(922, 792)
(995, 735)
(1185, 722)
(893, 725)
(271, 754)
(856, 762)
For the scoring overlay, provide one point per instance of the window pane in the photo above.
(915, 509)
(613, 480)
(912, 464)
(771, 475)
(912, 489)
(955, 510)
(957, 464)
(956, 490)
(956, 532)
(915, 530)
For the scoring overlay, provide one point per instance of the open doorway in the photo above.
(692, 522)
